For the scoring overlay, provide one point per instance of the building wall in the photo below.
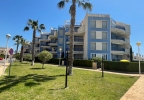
(108, 51)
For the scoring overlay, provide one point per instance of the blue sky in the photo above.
(15, 13)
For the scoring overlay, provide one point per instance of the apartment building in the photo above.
(98, 35)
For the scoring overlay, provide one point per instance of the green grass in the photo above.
(33, 83)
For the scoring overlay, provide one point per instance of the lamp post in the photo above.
(66, 69)
(60, 55)
(138, 44)
(8, 37)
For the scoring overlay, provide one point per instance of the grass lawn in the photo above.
(33, 83)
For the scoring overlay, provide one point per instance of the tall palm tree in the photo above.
(34, 25)
(17, 39)
(72, 11)
(23, 43)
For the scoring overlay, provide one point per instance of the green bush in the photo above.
(27, 57)
(123, 66)
(2, 55)
(17, 56)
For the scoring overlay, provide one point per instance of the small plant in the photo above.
(45, 56)
(17, 56)
(97, 59)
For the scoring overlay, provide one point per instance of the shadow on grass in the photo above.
(36, 68)
(29, 80)
(57, 89)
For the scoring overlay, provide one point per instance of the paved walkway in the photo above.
(1, 68)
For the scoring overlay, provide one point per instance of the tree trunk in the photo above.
(43, 65)
(17, 48)
(21, 54)
(70, 59)
(33, 45)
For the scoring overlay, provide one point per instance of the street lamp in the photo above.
(60, 55)
(8, 37)
(66, 68)
(138, 44)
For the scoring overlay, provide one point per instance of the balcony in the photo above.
(116, 41)
(53, 43)
(119, 30)
(81, 32)
(37, 48)
(53, 36)
(45, 45)
(77, 50)
(44, 39)
(37, 42)
(76, 42)
(120, 51)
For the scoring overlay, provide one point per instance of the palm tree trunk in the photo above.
(17, 47)
(22, 54)
(33, 45)
(70, 59)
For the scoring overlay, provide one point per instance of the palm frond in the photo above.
(30, 22)
(61, 4)
(39, 30)
(42, 26)
(85, 5)
(26, 28)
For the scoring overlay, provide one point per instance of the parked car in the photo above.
(1, 58)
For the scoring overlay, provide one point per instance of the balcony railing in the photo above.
(44, 45)
(78, 49)
(120, 49)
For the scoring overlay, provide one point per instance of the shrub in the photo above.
(44, 56)
(27, 57)
(17, 56)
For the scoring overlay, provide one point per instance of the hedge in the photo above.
(84, 63)
(123, 66)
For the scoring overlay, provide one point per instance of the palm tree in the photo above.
(34, 25)
(72, 11)
(23, 43)
(17, 39)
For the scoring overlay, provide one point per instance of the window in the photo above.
(93, 34)
(60, 32)
(93, 24)
(60, 40)
(104, 46)
(93, 46)
(104, 35)
(104, 24)
(44, 37)
(99, 55)
(104, 56)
